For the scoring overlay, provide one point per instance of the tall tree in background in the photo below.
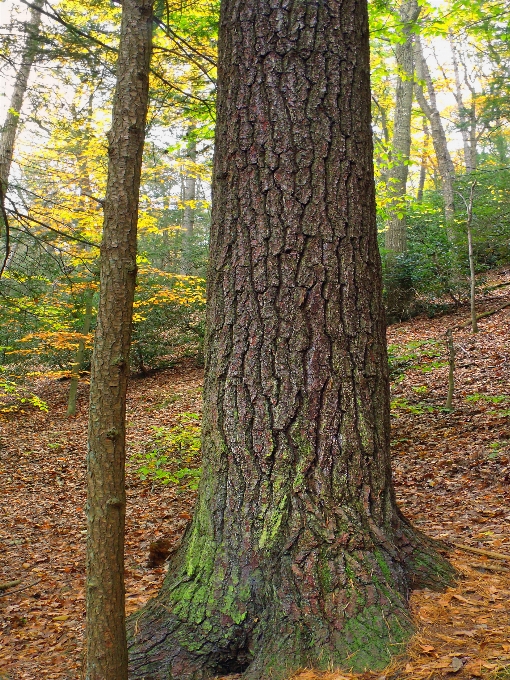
(430, 109)
(467, 115)
(106, 499)
(297, 554)
(423, 161)
(10, 126)
(395, 237)
(189, 194)
(398, 291)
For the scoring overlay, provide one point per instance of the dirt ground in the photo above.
(452, 476)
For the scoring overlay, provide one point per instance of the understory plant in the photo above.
(173, 455)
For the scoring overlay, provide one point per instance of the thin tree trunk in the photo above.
(297, 554)
(189, 195)
(106, 500)
(451, 369)
(396, 236)
(429, 108)
(472, 272)
(423, 162)
(10, 126)
(500, 143)
(461, 109)
(473, 137)
(384, 125)
(471, 120)
(385, 141)
(83, 180)
(78, 363)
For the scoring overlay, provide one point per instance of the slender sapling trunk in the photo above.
(451, 364)
(78, 362)
(430, 109)
(472, 273)
(106, 498)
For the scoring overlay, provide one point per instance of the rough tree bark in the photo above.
(106, 502)
(395, 239)
(429, 108)
(297, 554)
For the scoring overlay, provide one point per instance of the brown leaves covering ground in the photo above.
(42, 535)
(452, 474)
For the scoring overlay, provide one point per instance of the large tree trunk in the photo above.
(296, 555)
(429, 108)
(106, 501)
(395, 236)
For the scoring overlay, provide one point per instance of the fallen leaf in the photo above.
(456, 664)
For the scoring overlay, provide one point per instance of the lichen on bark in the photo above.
(297, 554)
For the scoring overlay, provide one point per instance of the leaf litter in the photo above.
(452, 473)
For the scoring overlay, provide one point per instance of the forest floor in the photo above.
(452, 472)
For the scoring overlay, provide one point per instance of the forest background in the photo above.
(441, 138)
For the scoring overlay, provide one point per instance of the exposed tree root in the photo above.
(425, 565)
(333, 606)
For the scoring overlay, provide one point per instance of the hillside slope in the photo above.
(452, 475)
